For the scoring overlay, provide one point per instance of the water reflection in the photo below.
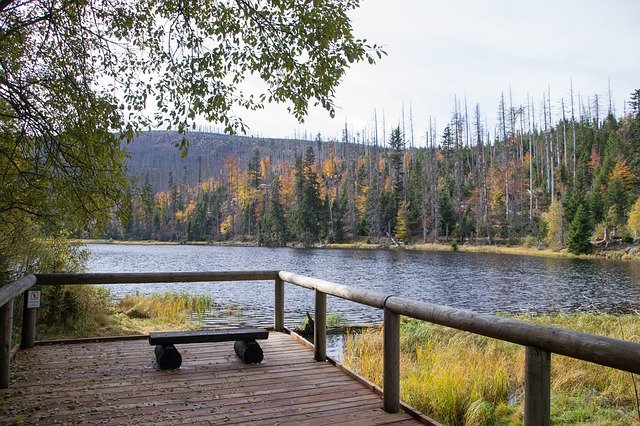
(481, 282)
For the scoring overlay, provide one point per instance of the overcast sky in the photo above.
(478, 49)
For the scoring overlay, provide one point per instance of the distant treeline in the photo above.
(531, 179)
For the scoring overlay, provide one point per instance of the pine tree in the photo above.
(273, 225)
(396, 157)
(580, 231)
(308, 214)
(253, 169)
(635, 103)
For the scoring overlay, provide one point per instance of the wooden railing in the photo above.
(540, 341)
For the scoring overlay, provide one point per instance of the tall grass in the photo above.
(176, 308)
(462, 379)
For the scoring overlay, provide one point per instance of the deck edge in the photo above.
(416, 414)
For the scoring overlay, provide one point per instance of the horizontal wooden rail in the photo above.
(365, 297)
(153, 277)
(13, 290)
(620, 354)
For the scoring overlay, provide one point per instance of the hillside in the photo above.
(155, 153)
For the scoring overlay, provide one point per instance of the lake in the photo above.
(485, 283)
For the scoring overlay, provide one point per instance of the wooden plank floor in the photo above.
(116, 382)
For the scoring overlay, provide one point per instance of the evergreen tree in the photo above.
(273, 225)
(253, 169)
(396, 158)
(307, 217)
(580, 231)
(634, 103)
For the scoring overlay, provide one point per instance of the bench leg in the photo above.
(249, 351)
(168, 357)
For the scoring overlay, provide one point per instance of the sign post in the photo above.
(33, 298)
(31, 304)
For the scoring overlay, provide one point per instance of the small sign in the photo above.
(33, 299)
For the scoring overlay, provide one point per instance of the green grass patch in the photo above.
(463, 379)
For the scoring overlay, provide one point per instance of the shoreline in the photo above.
(623, 252)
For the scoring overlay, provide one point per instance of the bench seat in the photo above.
(207, 336)
(245, 346)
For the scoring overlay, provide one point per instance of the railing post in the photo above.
(537, 387)
(6, 322)
(279, 308)
(391, 365)
(320, 327)
(28, 337)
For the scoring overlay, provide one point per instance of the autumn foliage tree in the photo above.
(76, 77)
(521, 184)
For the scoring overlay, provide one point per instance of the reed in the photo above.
(176, 308)
(459, 378)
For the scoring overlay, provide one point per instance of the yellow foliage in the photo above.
(361, 200)
(329, 166)
(227, 224)
(401, 230)
(497, 192)
(553, 219)
(634, 218)
(207, 185)
(181, 216)
(162, 198)
(190, 207)
(265, 167)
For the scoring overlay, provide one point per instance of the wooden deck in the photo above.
(116, 382)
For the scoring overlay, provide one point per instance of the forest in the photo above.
(554, 173)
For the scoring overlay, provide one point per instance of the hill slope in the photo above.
(155, 153)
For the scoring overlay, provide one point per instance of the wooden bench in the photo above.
(245, 346)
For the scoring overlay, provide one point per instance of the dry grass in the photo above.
(459, 378)
(175, 308)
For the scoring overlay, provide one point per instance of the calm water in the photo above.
(480, 282)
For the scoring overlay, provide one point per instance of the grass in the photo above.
(88, 311)
(333, 320)
(176, 308)
(462, 379)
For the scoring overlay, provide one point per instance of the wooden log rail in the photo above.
(540, 341)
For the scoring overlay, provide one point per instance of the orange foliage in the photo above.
(623, 173)
(526, 161)
(594, 160)
(265, 167)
